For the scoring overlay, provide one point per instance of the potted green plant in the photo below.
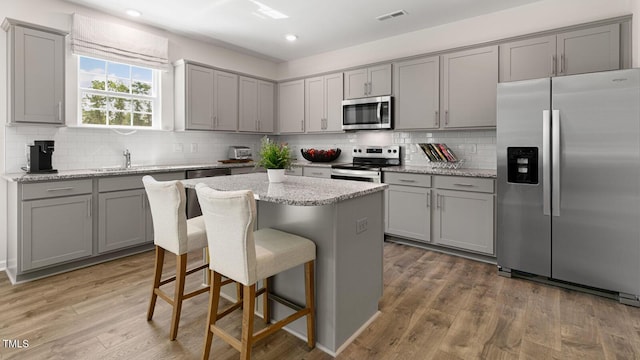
(275, 158)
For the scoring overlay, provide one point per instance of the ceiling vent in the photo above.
(391, 15)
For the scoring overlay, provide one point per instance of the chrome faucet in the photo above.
(127, 159)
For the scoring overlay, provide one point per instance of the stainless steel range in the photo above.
(367, 163)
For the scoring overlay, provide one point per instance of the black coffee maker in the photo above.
(40, 157)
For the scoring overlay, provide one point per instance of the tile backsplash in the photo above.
(77, 148)
(92, 148)
(476, 147)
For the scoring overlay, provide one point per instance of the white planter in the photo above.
(275, 175)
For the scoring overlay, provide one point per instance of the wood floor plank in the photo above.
(434, 306)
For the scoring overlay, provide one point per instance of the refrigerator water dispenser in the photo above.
(522, 165)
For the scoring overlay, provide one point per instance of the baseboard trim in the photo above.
(3, 265)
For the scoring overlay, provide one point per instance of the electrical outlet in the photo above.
(178, 148)
(361, 225)
(472, 148)
(194, 148)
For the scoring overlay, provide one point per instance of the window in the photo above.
(113, 94)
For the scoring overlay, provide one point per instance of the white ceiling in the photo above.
(321, 25)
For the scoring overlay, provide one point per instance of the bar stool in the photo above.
(244, 255)
(173, 233)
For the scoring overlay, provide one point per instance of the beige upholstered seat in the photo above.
(174, 233)
(244, 255)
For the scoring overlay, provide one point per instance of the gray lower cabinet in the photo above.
(408, 212)
(464, 213)
(122, 220)
(36, 73)
(294, 171)
(56, 230)
(470, 79)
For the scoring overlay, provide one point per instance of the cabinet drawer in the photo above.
(464, 183)
(117, 183)
(295, 171)
(317, 172)
(407, 179)
(51, 189)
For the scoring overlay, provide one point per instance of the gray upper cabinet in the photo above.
(323, 103)
(416, 86)
(36, 74)
(574, 52)
(589, 50)
(528, 59)
(469, 88)
(367, 82)
(256, 112)
(291, 107)
(206, 99)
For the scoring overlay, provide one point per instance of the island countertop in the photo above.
(295, 190)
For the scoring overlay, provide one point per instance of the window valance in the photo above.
(115, 42)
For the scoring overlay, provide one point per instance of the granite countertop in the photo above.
(481, 173)
(23, 177)
(295, 190)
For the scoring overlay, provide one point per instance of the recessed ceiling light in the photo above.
(132, 12)
(391, 15)
(291, 37)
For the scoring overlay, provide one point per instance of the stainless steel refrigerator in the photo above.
(568, 186)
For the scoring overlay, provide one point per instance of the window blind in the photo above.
(115, 42)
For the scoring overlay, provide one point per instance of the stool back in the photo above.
(230, 217)
(167, 200)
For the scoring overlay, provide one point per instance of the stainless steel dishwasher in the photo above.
(193, 206)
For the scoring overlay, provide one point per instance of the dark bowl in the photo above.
(315, 155)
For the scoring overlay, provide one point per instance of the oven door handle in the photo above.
(356, 173)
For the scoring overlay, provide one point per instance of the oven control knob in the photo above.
(355, 150)
(359, 150)
(395, 151)
(389, 151)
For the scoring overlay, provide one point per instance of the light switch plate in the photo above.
(178, 148)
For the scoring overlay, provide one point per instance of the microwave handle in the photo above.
(379, 112)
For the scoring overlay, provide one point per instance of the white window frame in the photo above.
(156, 98)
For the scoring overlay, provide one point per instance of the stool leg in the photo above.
(212, 317)
(310, 300)
(157, 276)
(181, 269)
(239, 293)
(265, 301)
(249, 299)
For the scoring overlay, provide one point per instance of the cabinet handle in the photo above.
(365, 88)
(258, 123)
(302, 125)
(446, 117)
(553, 65)
(61, 189)
(428, 199)
(407, 180)
(89, 208)
(59, 110)
(462, 184)
(562, 63)
(437, 201)
(437, 122)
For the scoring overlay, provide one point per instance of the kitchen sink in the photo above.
(132, 168)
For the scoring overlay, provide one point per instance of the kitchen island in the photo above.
(345, 221)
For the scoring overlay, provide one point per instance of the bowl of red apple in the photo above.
(320, 155)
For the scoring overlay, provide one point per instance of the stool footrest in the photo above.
(285, 302)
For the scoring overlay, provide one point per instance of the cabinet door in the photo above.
(528, 59)
(199, 98)
(122, 219)
(589, 50)
(417, 94)
(291, 106)
(355, 83)
(318, 172)
(38, 93)
(464, 220)
(333, 95)
(226, 101)
(314, 104)
(408, 212)
(469, 90)
(248, 113)
(55, 230)
(266, 103)
(379, 80)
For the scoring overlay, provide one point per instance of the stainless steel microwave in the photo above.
(367, 113)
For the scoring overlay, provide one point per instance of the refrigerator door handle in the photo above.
(555, 189)
(546, 159)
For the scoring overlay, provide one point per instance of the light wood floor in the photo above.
(435, 306)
